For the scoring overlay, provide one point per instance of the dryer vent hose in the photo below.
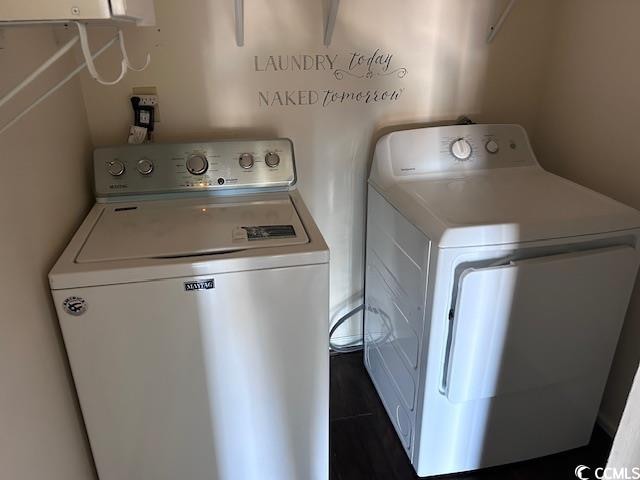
(345, 348)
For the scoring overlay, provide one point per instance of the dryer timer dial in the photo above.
(461, 149)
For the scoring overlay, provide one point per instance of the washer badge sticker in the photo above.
(75, 305)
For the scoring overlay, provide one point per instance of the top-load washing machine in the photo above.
(193, 302)
(495, 294)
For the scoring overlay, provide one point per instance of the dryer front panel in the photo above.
(537, 322)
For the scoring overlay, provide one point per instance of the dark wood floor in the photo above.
(364, 445)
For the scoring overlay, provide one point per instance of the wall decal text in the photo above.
(356, 66)
(294, 63)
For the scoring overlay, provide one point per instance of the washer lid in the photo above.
(507, 206)
(182, 228)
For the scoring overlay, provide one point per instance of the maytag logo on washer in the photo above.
(200, 285)
(74, 305)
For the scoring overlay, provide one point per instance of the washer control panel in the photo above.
(217, 166)
(454, 149)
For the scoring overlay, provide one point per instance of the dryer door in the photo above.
(537, 322)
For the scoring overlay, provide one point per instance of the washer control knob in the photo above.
(246, 161)
(197, 164)
(272, 159)
(492, 146)
(461, 149)
(115, 168)
(144, 166)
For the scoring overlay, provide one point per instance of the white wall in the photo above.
(209, 88)
(587, 131)
(44, 192)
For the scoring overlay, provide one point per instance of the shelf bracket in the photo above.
(239, 4)
(495, 27)
(330, 21)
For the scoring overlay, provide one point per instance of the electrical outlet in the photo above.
(148, 100)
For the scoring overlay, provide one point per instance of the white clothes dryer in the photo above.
(193, 302)
(495, 294)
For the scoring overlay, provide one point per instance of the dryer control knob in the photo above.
(246, 161)
(492, 146)
(144, 166)
(461, 149)
(272, 159)
(197, 164)
(115, 168)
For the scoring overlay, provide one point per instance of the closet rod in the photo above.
(57, 87)
(330, 21)
(36, 73)
(239, 10)
(495, 28)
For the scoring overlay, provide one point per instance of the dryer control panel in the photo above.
(227, 166)
(453, 149)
